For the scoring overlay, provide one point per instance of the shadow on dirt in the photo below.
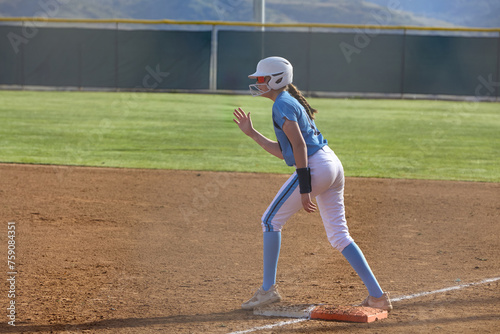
(235, 315)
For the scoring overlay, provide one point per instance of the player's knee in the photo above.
(271, 226)
(341, 241)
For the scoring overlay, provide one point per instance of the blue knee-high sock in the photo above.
(357, 260)
(272, 244)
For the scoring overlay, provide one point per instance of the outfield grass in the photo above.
(373, 138)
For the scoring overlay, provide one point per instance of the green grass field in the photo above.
(373, 138)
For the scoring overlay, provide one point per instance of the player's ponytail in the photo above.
(302, 100)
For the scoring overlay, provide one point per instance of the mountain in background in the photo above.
(478, 13)
(458, 12)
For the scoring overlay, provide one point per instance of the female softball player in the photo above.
(319, 173)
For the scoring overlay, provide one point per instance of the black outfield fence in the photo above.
(364, 62)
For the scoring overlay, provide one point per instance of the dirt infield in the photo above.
(156, 251)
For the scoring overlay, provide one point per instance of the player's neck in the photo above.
(273, 94)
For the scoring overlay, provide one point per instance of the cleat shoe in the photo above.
(383, 302)
(262, 298)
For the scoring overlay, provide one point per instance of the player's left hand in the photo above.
(307, 203)
(244, 121)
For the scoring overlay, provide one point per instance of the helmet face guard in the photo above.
(259, 89)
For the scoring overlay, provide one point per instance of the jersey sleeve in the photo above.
(282, 111)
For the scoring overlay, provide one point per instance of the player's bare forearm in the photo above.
(300, 155)
(267, 144)
(299, 146)
(294, 135)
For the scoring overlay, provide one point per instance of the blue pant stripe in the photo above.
(278, 203)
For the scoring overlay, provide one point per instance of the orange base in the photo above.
(348, 313)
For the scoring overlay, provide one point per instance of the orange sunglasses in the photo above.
(261, 79)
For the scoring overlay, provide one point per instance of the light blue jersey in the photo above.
(287, 107)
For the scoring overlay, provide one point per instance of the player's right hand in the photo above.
(307, 203)
(244, 121)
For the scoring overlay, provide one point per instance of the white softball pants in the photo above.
(327, 178)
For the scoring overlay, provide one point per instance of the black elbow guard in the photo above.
(304, 175)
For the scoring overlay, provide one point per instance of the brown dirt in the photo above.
(155, 251)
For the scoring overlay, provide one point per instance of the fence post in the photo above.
(308, 61)
(259, 12)
(213, 60)
(116, 56)
(403, 63)
(23, 60)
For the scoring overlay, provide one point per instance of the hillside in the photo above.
(344, 11)
(467, 13)
(459, 12)
(483, 13)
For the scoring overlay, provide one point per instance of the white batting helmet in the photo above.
(279, 69)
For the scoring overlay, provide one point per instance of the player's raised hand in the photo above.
(244, 121)
(307, 203)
